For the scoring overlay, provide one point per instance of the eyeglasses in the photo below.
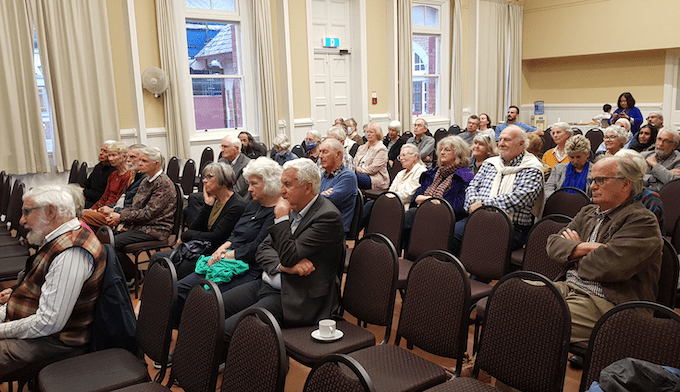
(208, 176)
(665, 141)
(611, 137)
(26, 211)
(601, 180)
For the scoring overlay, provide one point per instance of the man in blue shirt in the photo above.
(338, 183)
(513, 115)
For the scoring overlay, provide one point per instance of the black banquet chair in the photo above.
(338, 372)
(566, 201)
(73, 174)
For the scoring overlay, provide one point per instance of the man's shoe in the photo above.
(576, 362)
(157, 365)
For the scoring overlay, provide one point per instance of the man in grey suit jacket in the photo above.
(301, 257)
(663, 164)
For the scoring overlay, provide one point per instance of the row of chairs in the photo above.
(14, 249)
(78, 174)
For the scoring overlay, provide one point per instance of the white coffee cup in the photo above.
(327, 328)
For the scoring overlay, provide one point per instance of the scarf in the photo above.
(575, 179)
(505, 178)
(442, 181)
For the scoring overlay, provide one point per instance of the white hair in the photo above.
(269, 171)
(564, 126)
(396, 125)
(59, 196)
(618, 131)
(282, 141)
(154, 154)
(316, 134)
(307, 171)
(234, 141)
(337, 132)
(108, 143)
(673, 132)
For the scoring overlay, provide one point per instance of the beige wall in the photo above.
(376, 58)
(560, 28)
(302, 107)
(595, 78)
(149, 56)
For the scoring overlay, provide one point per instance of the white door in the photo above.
(331, 89)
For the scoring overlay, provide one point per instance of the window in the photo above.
(428, 35)
(216, 58)
(43, 99)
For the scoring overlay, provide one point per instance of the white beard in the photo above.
(37, 235)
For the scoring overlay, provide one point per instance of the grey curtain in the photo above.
(405, 65)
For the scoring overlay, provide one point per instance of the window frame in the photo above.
(444, 38)
(246, 62)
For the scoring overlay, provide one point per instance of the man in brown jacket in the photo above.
(612, 248)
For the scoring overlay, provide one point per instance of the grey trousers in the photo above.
(19, 353)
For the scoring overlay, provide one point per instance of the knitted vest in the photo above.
(25, 298)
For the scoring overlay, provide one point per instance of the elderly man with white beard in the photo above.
(48, 313)
(663, 164)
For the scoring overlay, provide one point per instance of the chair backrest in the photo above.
(15, 204)
(454, 129)
(395, 169)
(387, 218)
(82, 174)
(670, 194)
(355, 225)
(298, 150)
(482, 256)
(440, 134)
(177, 219)
(73, 174)
(257, 359)
(432, 228)
(188, 177)
(566, 201)
(434, 314)
(199, 339)
(653, 339)
(173, 169)
(548, 141)
(207, 156)
(668, 281)
(595, 136)
(370, 286)
(338, 372)
(154, 327)
(577, 131)
(525, 339)
(105, 235)
(353, 150)
(535, 256)
(5, 191)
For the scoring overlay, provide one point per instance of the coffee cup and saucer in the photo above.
(327, 331)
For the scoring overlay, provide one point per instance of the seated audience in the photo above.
(119, 179)
(622, 123)
(611, 250)
(576, 173)
(301, 258)
(96, 219)
(424, 142)
(650, 199)
(560, 132)
(535, 147)
(338, 183)
(222, 208)
(48, 313)
(511, 119)
(370, 162)
(663, 164)
(615, 138)
(339, 134)
(151, 215)
(282, 153)
(352, 133)
(483, 146)
(311, 145)
(449, 180)
(645, 139)
(485, 126)
(471, 130)
(264, 179)
(393, 141)
(96, 182)
(249, 147)
(512, 182)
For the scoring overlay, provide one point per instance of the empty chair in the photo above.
(82, 174)
(355, 226)
(207, 156)
(596, 136)
(387, 218)
(440, 134)
(534, 257)
(566, 201)
(199, 343)
(653, 339)
(73, 174)
(299, 151)
(369, 296)
(432, 230)
(670, 194)
(173, 169)
(454, 129)
(330, 375)
(525, 339)
(188, 177)
(433, 318)
(256, 360)
(548, 141)
(116, 368)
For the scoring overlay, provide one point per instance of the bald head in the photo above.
(330, 154)
(511, 142)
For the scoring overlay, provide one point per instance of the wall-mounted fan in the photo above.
(155, 80)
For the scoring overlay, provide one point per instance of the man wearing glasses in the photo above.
(48, 313)
(611, 250)
(663, 164)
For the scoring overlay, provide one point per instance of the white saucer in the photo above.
(338, 334)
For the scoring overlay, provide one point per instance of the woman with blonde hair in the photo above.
(574, 174)
(370, 162)
(483, 146)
